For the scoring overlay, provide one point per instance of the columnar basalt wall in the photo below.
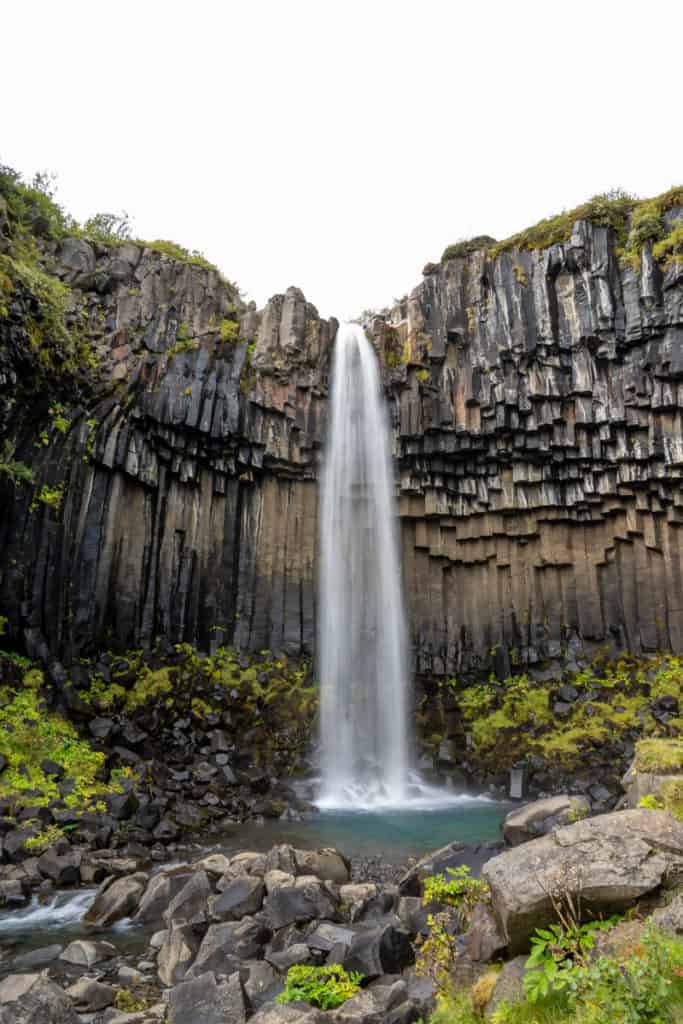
(538, 402)
(189, 507)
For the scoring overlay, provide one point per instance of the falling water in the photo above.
(362, 644)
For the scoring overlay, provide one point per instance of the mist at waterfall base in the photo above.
(365, 748)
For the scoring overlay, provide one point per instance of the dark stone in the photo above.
(296, 904)
(384, 949)
(61, 868)
(240, 897)
(202, 1000)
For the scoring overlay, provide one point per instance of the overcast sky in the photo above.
(340, 147)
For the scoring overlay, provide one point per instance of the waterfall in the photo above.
(362, 633)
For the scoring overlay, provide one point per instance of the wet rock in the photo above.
(90, 996)
(542, 816)
(33, 999)
(202, 1000)
(240, 897)
(611, 860)
(118, 899)
(36, 958)
(86, 953)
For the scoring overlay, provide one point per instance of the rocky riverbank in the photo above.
(220, 934)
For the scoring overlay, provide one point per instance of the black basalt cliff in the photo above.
(536, 401)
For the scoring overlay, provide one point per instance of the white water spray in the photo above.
(362, 634)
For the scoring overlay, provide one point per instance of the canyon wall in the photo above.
(536, 401)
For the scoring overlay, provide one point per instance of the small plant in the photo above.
(230, 331)
(557, 950)
(460, 890)
(325, 987)
(44, 840)
(126, 1002)
(50, 496)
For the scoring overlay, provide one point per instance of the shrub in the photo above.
(29, 734)
(325, 987)
(108, 227)
(230, 330)
(466, 246)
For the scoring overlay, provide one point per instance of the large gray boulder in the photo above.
(542, 816)
(85, 953)
(177, 953)
(225, 945)
(608, 861)
(240, 897)
(34, 999)
(203, 1001)
(160, 891)
(384, 949)
(296, 904)
(115, 900)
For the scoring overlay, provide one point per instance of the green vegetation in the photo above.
(248, 373)
(230, 330)
(669, 799)
(44, 839)
(459, 894)
(325, 987)
(634, 222)
(659, 756)
(466, 246)
(108, 228)
(183, 345)
(567, 983)
(126, 1002)
(17, 472)
(514, 719)
(55, 334)
(30, 735)
(50, 496)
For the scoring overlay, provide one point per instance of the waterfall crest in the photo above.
(362, 632)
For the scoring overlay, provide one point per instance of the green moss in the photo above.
(178, 253)
(670, 247)
(17, 472)
(659, 756)
(466, 246)
(184, 345)
(126, 1002)
(29, 734)
(44, 839)
(149, 686)
(248, 373)
(50, 496)
(230, 331)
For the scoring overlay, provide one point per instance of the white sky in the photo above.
(340, 147)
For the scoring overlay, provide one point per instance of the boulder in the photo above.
(177, 953)
(228, 943)
(115, 900)
(214, 864)
(190, 904)
(84, 953)
(160, 892)
(542, 816)
(34, 999)
(61, 868)
(637, 784)
(12, 893)
(90, 996)
(509, 987)
(379, 1004)
(327, 864)
(384, 949)
(262, 983)
(326, 935)
(670, 917)
(295, 904)
(610, 861)
(239, 898)
(485, 938)
(36, 958)
(203, 1001)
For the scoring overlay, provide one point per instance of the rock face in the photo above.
(605, 863)
(535, 401)
(33, 999)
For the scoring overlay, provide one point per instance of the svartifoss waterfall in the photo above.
(362, 634)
